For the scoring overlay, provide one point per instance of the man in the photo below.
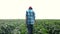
(30, 19)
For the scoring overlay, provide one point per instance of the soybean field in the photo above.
(18, 26)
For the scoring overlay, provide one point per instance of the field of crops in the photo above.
(18, 26)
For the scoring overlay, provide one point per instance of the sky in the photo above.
(16, 9)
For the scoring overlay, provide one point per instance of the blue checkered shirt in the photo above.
(30, 17)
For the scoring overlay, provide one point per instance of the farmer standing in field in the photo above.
(30, 19)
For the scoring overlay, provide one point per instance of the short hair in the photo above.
(30, 7)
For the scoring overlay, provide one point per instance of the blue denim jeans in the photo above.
(30, 28)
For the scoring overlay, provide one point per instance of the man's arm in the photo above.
(26, 15)
(34, 15)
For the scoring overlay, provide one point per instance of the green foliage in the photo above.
(19, 27)
(47, 26)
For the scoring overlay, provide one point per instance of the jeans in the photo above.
(30, 28)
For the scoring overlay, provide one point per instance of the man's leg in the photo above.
(30, 29)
